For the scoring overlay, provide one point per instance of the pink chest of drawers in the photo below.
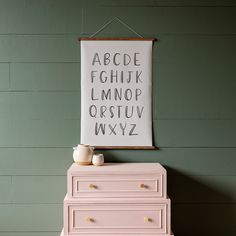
(123, 199)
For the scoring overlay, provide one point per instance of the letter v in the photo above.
(140, 112)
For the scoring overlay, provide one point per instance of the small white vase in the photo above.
(98, 159)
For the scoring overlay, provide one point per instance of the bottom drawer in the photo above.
(115, 218)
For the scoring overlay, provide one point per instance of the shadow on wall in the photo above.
(198, 208)
(199, 203)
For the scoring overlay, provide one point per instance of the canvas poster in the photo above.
(116, 92)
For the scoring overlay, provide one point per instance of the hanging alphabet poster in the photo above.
(116, 92)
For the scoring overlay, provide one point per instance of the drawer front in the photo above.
(152, 186)
(117, 219)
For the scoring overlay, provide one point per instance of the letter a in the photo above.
(96, 59)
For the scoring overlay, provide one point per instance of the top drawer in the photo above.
(94, 181)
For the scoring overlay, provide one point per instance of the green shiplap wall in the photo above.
(194, 107)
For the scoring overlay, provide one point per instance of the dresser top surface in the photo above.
(119, 167)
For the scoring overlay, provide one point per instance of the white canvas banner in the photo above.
(116, 92)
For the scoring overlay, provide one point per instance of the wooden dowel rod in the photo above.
(128, 39)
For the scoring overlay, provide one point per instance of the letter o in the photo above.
(128, 94)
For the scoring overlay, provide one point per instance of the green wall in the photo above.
(194, 111)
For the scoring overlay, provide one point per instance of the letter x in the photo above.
(112, 129)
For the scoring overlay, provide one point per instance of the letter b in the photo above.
(107, 58)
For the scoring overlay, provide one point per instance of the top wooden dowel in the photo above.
(128, 39)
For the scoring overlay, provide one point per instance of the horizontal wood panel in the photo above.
(202, 189)
(191, 49)
(196, 99)
(38, 189)
(44, 17)
(66, 132)
(35, 161)
(203, 219)
(40, 105)
(195, 133)
(169, 48)
(185, 20)
(183, 161)
(194, 91)
(4, 106)
(39, 132)
(178, 161)
(39, 48)
(167, 3)
(4, 76)
(40, 233)
(213, 99)
(5, 189)
(28, 217)
(45, 76)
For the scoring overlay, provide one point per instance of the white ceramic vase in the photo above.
(83, 154)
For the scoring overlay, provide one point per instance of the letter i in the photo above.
(122, 76)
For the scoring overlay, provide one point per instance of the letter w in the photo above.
(100, 127)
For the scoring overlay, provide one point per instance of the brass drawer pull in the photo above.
(147, 219)
(143, 186)
(89, 219)
(92, 186)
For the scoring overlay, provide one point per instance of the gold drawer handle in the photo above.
(89, 219)
(92, 186)
(147, 219)
(143, 186)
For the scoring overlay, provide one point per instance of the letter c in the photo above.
(114, 59)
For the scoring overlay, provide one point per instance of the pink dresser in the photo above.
(122, 199)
